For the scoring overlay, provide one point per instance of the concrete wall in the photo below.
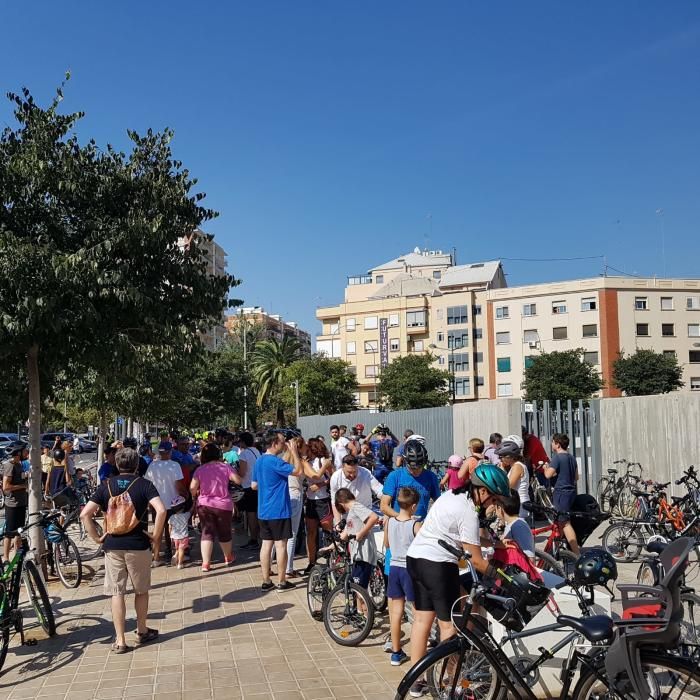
(660, 432)
(480, 419)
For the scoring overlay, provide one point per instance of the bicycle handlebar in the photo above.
(459, 553)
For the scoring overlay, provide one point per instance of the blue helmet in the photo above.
(595, 567)
(53, 533)
(492, 478)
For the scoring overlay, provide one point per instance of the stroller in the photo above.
(586, 515)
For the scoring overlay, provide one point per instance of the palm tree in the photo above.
(269, 362)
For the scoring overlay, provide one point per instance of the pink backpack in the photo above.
(514, 555)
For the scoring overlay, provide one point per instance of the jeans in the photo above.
(297, 508)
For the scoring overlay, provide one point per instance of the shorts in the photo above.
(215, 523)
(184, 543)
(15, 517)
(435, 585)
(362, 572)
(318, 509)
(562, 501)
(124, 564)
(400, 584)
(276, 530)
(249, 502)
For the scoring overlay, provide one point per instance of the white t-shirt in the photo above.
(355, 520)
(452, 518)
(339, 448)
(250, 457)
(362, 486)
(323, 490)
(163, 473)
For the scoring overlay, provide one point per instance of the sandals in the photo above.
(148, 636)
(121, 648)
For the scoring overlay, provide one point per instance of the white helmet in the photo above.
(516, 439)
(417, 438)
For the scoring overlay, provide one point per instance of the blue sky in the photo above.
(334, 136)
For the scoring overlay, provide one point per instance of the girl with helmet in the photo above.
(511, 454)
(454, 517)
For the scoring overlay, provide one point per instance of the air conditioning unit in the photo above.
(532, 345)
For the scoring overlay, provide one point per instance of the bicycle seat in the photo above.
(596, 628)
(656, 546)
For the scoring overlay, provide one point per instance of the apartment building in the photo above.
(603, 315)
(417, 303)
(271, 325)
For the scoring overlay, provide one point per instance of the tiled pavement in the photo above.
(219, 638)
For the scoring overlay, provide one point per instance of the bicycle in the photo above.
(472, 664)
(75, 529)
(21, 570)
(62, 554)
(614, 491)
(348, 611)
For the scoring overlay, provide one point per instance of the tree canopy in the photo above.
(414, 382)
(647, 372)
(561, 375)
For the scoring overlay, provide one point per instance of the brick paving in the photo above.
(219, 638)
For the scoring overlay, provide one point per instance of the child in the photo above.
(359, 522)
(516, 528)
(179, 532)
(451, 479)
(398, 535)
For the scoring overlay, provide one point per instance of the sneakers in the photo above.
(418, 689)
(267, 586)
(206, 568)
(286, 586)
(398, 657)
(388, 646)
(229, 562)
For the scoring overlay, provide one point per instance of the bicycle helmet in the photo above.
(130, 442)
(53, 533)
(59, 454)
(417, 438)
(414, 453)
(595, 567)
(492, 478)
(512, 446)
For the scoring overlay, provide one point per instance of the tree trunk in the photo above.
(35, 490)
(129, 427)
(280, 416)
(101, 438)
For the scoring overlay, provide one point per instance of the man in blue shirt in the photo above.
(412, 474)
(109, 467)
(270, 479)
(382, 442)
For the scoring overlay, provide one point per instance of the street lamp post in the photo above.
(296, 397)
(245, 373)
(451, 361)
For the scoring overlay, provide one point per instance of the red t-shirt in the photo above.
(534, 452)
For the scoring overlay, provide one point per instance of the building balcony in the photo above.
(417, 328)
(359, 279)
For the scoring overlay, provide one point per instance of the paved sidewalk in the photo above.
(219, 638)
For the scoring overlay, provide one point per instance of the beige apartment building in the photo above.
(270, 325)
(602, 315)
(417, 303)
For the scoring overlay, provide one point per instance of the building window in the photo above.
(441, 360)
(371, 346)
(695, 383)
(393, 320)
(458, 362)
(560, 333)
(350, 324)
(353, 370)
(590, 357)
(379, 279)
(478, 334)
(558, 307)
(440, 337)
(505, 390)
(641, 304)
(667, 303)
(334, 328)
(480, 381)
(457, 339)
(694, 356)
(371, 371)
(370, 323)
(668, 353)
(529, 309)
(503, 364)
(667, 329)
(694, 330)
(437, 274)
(589, 304)
(503, 338)
(372, 397)
(642, 329)
(394, 345)
(417, 346)
(529, 361)
(456, 315)
(502, 312)
(351, 348)
(590, 330)
(692, 303)
(461, 387)
(415, 319)
(530, 336)
(476, 310)
(478, 357)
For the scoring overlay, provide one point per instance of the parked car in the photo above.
(48, 439)
(87, 445)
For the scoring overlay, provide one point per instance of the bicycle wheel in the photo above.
(547, 562)
(88, 549)
(603, 494)
(377, 589)
(623, 542)
(69, 566)
(5, 624)
(348, 616)
(316, 590)
(38, 597)
(648, 573)
(626, 504)
(669, 678)
(568, 560)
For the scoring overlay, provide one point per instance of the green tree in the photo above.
(647, 372)
(269, 364)
(414, 382)
(96, 255)
(561, 375)
(326, 385)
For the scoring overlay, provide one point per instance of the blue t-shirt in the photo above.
(176, 456)
(375, 444)
(427, 485)
(271, 474)
(566, 467)
(106, 471)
